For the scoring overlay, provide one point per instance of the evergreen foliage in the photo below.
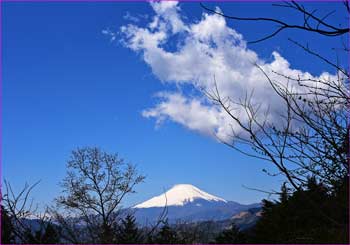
(128, 232)
(314, 215)
(47, 235)
(231, 235)
(7, 235)
(166, 235)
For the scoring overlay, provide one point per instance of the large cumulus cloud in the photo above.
(206, 52)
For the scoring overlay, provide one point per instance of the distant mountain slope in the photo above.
(187, 203)
(179, 195)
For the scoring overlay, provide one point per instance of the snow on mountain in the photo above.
(187, 203)
(179, 195)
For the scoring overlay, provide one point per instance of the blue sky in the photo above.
(67, 85)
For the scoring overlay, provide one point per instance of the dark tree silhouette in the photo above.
(310, 138)
(293, 219)
(312, 22)
(95, 185)
(7, 234)
(51, 234)
(308, 143)
(188, 233)
(128, 232)
(24, 223)
(231, 235)
(166, 235)
(48, 234)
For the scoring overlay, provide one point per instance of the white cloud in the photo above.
(131, 18)
(205, 49)
(167, 16)
(112, 35)
(185, 111)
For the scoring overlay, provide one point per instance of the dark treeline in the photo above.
(311, 216)
(316, 214)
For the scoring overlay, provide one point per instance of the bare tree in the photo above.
(310, 138)
(95, 185)
(311, 22)
(28, 223)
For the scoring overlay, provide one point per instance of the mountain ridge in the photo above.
(178, 195)
(187, 203)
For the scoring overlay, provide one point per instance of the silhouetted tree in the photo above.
(7, 235)
(128, 231)
(166, 235)
(312, 21)
(294, 218)
(311, 134)
(188, 233)
(95, 185)
(47, 234)
(231, 235)
(51, 235)
(308, 144)
(27, 225)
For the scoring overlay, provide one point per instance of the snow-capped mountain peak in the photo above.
(179, 195)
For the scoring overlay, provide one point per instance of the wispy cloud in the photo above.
(110, 34)
(134, 18)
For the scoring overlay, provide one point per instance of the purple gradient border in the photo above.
(121, 1)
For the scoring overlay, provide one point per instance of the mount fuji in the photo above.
(187, 203)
